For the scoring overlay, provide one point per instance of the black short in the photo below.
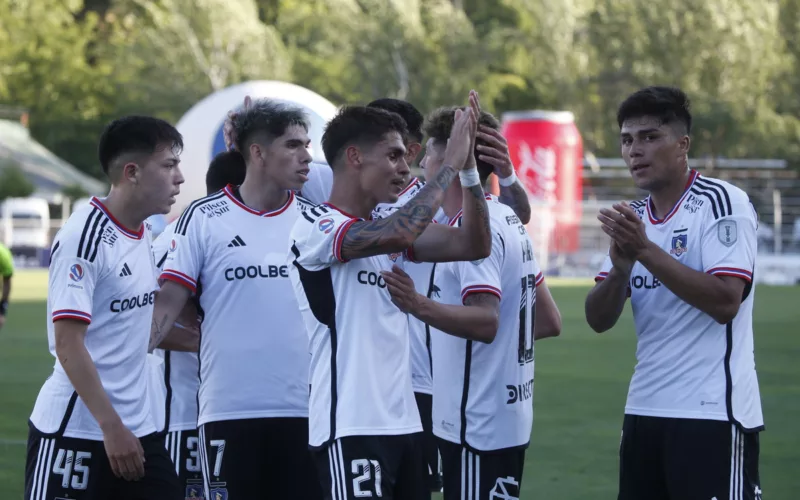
(78, 469)
(184, 450)
(389, 467)
(471, 475)
(430, 444)
(687, 459)
(258, 458)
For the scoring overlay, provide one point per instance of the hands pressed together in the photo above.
(628, 236)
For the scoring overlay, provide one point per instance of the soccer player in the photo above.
(230, 250)
(363, 418)
(512, 192)
(483, 316)
(6, 272)
(685, 256)
(179, 380)
(92, 434)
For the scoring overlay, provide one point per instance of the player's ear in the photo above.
(354, 156)
(131, 172)
(412, 151)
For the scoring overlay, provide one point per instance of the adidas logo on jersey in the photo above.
(237, 242)
(126, 271)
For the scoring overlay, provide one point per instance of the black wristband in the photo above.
(3, 307)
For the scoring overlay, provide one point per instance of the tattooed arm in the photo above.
(170, 302)
(471, 240)
(515, 197)
(398, 231)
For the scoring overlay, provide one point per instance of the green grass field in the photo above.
(581, 384)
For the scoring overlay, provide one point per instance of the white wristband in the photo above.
(469, 177)
(507, 181)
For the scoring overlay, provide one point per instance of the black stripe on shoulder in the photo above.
(715, 192)
(183, 221)
(303, 201)
(314, 213)
(711, 198)
(721, 188)
(86, 228)
(96, 244)
(90, 237)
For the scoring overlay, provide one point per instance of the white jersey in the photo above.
(253, 345)
(103, 274)
(179, 370)
(483, 393)
(688, 365)
(421, 273)
(360, 367)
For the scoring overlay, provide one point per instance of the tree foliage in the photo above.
(77, 64)
(13, 183)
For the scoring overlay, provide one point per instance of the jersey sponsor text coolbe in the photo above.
(360, 367)
(253, 348)
(688, 365)
(103, 274)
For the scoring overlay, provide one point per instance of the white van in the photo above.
(25, 223)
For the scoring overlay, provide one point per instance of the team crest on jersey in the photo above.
(218, 494)
(76, 273)
(194, 491)
(726, 232)
(678, 246)
(173, 245)
(394, 256)
(326, 225)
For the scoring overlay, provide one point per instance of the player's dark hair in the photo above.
(265, 120)
(137, 135)
(407, 112)
(440, 123)
(359, 125)
(226, 168)
(669, 105)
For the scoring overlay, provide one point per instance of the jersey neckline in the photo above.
(134, 235)
(693, 175)
(346, 214)
(233, 193)
(453, 220)
(411, 184)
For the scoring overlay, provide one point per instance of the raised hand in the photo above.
(495, 151)
(627, 233)
(459, 144)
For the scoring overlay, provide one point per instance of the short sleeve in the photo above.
(604, 269)
(317, 240)
(184, 256)
(160, 246)
(72, 283)
(317, 189)
(482, 276)
(729, 242)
